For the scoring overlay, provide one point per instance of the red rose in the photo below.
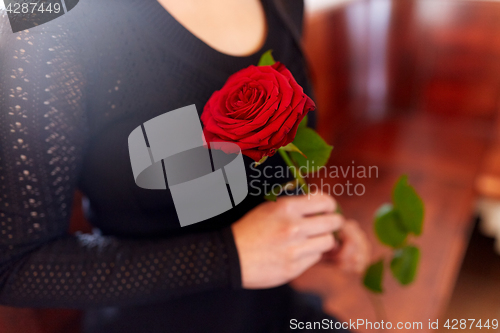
(259, 108)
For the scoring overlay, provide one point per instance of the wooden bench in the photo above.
(432, 117)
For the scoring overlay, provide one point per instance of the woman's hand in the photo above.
(353, 254)
(277, 241)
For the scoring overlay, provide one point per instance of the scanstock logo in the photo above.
(26, 14)
(169, 151)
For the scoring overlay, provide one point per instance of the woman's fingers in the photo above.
(303, 205)
(305, 262)
(314, 245)
(321, 224)
(355, 251)
(277, 241)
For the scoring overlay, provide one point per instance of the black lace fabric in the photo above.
(71, 91)
(43, 136)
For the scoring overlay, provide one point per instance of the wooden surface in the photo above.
(488, 182)
(431, 150)
(417, 94)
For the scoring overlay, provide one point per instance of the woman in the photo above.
(72, 91)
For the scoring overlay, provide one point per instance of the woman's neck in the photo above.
(236, 28)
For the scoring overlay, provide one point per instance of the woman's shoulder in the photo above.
(75, 19)
(17, 28)
(44, 66)
(292, 9)
(4, 21)
(70, 36)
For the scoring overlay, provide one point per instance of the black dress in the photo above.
(71, 91)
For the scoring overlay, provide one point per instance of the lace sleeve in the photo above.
(43, 134)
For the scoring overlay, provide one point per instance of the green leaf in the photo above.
(388, 227)
(314, 147)
(404, 264)
(339, 210)
(270, 196)
(373, 276)
(262, 160)
(284, 187)
(303, 123)
(291, 147)
(267, 59)
(408, 205)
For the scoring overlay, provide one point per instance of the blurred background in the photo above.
(412, 87)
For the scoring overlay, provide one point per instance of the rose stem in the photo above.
(292, 166)
(303, 183)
